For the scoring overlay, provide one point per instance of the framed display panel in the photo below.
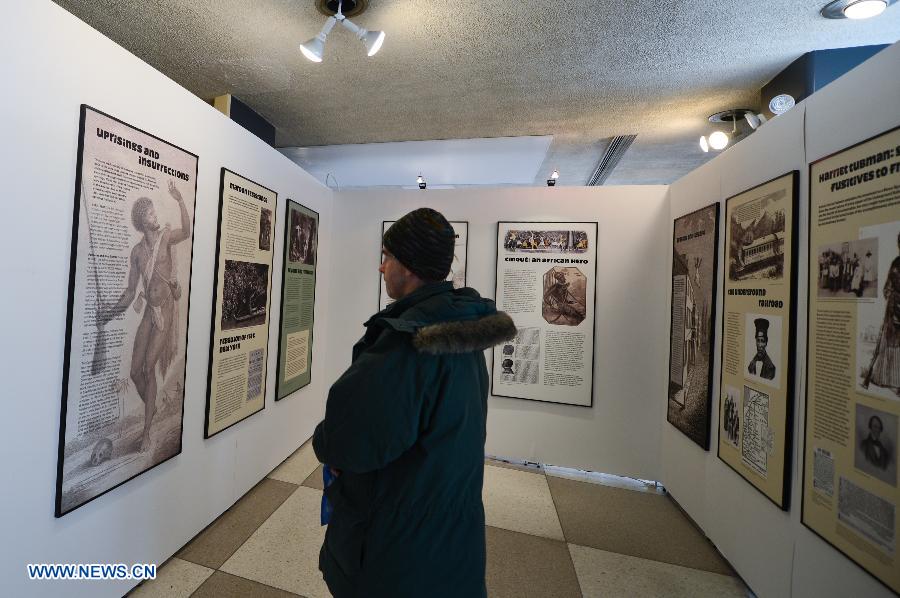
(298, 299)
(239, 334)
(695, 244)
(758, 335)
(546, 281)
(850, 491)
(457, 269)
(127, 315)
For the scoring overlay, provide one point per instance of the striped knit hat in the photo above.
(423, 241)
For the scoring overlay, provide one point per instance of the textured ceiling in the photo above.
(580, 71)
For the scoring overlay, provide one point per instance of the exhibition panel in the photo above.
(758, 335)
(124, 372)
(850, 491)
(298, 299)
(692, 334)
(546, 280)
(239, 334)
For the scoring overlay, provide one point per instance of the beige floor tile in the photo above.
(604, 574)
(216, 543)
(523, 566)
(284, 551)
(223, 585)
(298, 466)
(314, 480)
(639, 524)
(520, 502)
(175, 579)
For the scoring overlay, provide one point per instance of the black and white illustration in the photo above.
(848, 270)
(756, 239)
(756, 435)
(762, 349)
(265, 229)
(244, 294)
(123, 390)
(564, 296)
(303, 242)
(876, 443)
(878, 321)
(521, 359)
(731, 416)
(546, 241)
(694, 265)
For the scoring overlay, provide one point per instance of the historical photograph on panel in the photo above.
(565, 294)
(302, 241)
(547, 241)
(756, 238)
(762, 348)
(521, 357)
(265, 229)
(124, 374)
(244, 294)
(695, 240)
(756, 436)
(878, 321)
(848, 270)
(876, 443)
(731, 416)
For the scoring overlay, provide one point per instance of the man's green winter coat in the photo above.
(405, 426)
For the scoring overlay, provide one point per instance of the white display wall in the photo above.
(52, 62)
(620, 434)
(771, 549)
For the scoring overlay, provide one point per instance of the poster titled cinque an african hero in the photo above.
(694, 267)
(126, 329)
(850, 481)
(546, 280)
(239, 333)
(756, 393)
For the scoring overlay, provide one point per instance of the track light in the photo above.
(855, 9)
(314, 49)
(551, 182)
(718, 140)
(421, 181)
(704, 144)
(755, 120)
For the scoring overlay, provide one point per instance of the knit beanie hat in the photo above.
(423, 241)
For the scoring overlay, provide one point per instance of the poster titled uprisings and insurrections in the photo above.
(126, 330)
(756, 392)
(694, 267)
(240, 324)
(298, 299)
(850, 492)
(546, 281)
(457, 273)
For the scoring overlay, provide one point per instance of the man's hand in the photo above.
(174, 192)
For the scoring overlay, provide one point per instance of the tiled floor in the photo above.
(548, 536)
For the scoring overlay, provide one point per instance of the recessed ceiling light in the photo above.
(855, 9)
(781, 103)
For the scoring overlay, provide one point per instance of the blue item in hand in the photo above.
(327, 477)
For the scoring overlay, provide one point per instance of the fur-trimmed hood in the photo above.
(464, 336)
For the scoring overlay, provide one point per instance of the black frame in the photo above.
(284, 261)
(73, 261)
(465, 277)
(714, 287)
(806, 380)
(212, 329)
(792, 344)
(594, 331)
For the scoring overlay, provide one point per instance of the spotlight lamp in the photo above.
(718, 140)
(755, 120)
(314, 48)
(421, 182)
(551, 182)
(855, 9)
(704, 144)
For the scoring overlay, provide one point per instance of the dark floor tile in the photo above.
(214, 545)
(525, 566)
(640, 524)
(315, 479)
(223, 585)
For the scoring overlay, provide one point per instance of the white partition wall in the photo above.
(52, 62)
(620, 433)
(771, 549)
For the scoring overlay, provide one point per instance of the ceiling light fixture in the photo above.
(855, 9)
(551, 182)
(718, 140)
(755, 120)
(314, 49)
(421, 182)
(704, 144)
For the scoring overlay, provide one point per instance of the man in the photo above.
(868, 271)
(761, 365)
(873, 449)
(404, 430)
(884, 371)
(153, 265)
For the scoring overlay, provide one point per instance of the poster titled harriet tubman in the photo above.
(694, 247)
(126, 336)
